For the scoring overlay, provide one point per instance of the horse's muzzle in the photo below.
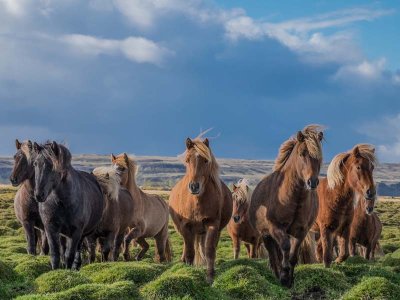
(312, 183)
(194, 188)
(370, 194)
(369, 210)
(14, 181)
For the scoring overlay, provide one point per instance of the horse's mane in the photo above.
(62, 161)
(243, 191)
(25, 149)
(313, 143)
(335, 175)
(129, 164)
(204, 151)
(109, 180)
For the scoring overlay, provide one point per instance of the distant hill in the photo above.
(163, 172)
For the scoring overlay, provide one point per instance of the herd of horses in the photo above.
(291, 212)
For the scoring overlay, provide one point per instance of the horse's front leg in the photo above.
(283, 240)
(30, 236)
(236, 246)
(343, 241)
(211, 242)
(295, 244)
(44, 248)
(188, 245)
(53, 237)
(352, 246)
(72, 246)
(326, 240)
(133, 233)
(78, 257)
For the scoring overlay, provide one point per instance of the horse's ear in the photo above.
(373, 149)
(107, 176)
(356, 151)
(234, 187)
(29, 145)
(126, 157)
(247, 188)
(17, 144)
(189, 143)
(36, 147)
(300, 136)
(320, 136)
(113, 158)
(206, 142)
(55, 148)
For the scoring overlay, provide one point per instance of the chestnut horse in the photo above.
(348, 173)
(200, 205)
(117, 209)
(284, 205)
(25, 207)
(150, 214)
(239, 227)
(365, 229)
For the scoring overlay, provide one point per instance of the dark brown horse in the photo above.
(348, 173)
(239, 227)
(284, 205)
(366, 228)
(149, 217)
(25, 207)
(70, 202)
(200, 205)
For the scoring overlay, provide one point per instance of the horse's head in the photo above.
(308, 155)
(241, 202)
(51, 165)
(23, 167)
(123, 165)
(360, 166)
(200, 164)
(355, 168)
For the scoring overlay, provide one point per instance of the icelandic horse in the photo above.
(349, 173)
(200, 205)
(284, 204)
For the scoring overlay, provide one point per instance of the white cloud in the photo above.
(371, 70)
(137, 49)
(16, 8)
(386, 132)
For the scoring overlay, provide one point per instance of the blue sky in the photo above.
(140, 76)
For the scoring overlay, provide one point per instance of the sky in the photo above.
(140, 76)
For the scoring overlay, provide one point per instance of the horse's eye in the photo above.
(358, 168)
(121, 169)
(35, 163)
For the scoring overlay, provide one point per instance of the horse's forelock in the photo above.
(243, 191)
(367, 151)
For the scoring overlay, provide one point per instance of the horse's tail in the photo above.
(274, 254)
(262, 251)
(199, 255)
(307, 249)
(168, 250)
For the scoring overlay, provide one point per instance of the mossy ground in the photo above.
(23, 276)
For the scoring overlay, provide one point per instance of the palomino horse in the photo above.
(348, 173)
(70, 202)
(25, 207)
(200, 205)
(365, 229)
(150, 215)
(284, 205)
(116, 215)
(239, 227)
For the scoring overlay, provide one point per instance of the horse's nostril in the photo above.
(236, 219)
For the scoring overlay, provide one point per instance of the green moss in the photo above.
(6, 272)
(396, 254)
(14, 224)
(315, 281)
(180, 282)
(245, 282)
(389, 260)
(356, 260)
(59, 280)
(138, 272)
(374, 288)
(5, 230)
(33, 267)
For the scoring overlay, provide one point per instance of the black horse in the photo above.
(25, 207)
(70, 202)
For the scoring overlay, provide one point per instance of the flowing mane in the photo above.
(311, 135)
(335, 175)
(109, 180)
(62, 160)
(128, 163)
(242, 193)
(26, 148)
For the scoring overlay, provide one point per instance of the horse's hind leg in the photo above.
(144, 245)
(91, 243)
(108, 243)
(78, 257)
(352, 247)
(117, 246)
(30, 235)
(236, 247)
(44, 247)
(132, 234)
(367, 254)
(161, 243)
(72, 246)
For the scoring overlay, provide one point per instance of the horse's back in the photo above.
(156, 214)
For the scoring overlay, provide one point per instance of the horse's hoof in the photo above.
(127, 257)
(210, 279)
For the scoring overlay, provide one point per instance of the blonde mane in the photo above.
(130, 165)
(242, 193)
(335, 175)
(311, 135)
(109, 181)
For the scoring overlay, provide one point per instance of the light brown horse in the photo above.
(284, 205)
(200, 205)
(239, 227)
(150, 214)
(366, 228)
(348, 173)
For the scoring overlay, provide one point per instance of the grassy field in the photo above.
(27, 277)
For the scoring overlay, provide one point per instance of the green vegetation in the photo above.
(23, 276)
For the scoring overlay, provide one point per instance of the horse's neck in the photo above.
(29, 184)
(292, 185)
(133, 188)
